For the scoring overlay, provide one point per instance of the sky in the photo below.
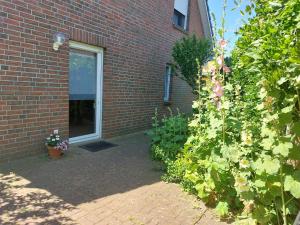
(233, 18)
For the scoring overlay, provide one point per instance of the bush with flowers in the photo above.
(242, 155)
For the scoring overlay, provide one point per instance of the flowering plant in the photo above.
(242, 154)
(54, 140)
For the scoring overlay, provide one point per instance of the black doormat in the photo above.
(98, 146)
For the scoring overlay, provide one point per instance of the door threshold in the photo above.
(86, 138)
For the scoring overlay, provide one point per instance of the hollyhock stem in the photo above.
(222, 55)
(282, 197)
(199, 89)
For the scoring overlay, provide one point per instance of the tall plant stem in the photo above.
(277, 214)
(282, 198)
(223, 128)
(223, 19)
(199, 94)
(298, 99)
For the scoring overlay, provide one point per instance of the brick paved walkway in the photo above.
(119, 186)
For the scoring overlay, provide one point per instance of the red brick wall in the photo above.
(181, 97)
(137, 37)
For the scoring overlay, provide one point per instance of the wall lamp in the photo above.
(59, 39)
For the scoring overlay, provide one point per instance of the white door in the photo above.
(85, 92)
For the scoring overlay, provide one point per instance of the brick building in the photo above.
(105, 80)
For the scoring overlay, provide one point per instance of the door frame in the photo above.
(99, 91)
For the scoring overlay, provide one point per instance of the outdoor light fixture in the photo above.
(59, 39)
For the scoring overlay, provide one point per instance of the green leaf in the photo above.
(267, 143)
(271, 166)
(275, 4)
(261, 214)
(292, 184)
(212, 133)
(200, 188)
(248, 9)
(288, 109)
(222, 209)
(283, 148)
(253, 55)
(260, 183)
(282, 80)
(295, 153)
(257, 166)
(192, 176)
(285, 118)
(296, 128)
(226, 105)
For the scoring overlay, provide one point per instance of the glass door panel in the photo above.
(82, 93)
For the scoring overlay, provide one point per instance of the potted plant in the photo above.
(56, 147)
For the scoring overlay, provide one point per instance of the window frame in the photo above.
(167, 83)
(185, 27)
(178, 16)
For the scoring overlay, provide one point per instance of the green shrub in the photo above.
(168, 137)
(187, 54)
(174, 171)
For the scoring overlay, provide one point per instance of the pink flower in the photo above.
(226, 69)
(63, 146)
(218, 89)
(220, 60)
(223, 43)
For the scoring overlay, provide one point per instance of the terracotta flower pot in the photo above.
(54, 153)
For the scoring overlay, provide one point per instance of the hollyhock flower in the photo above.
(223, 43)
(244, 188)
(242, 184)
(55, 132)
(226, 69)
(218, 89)
(240, 181)
(247, 138)
(220, 60)
(244, 163)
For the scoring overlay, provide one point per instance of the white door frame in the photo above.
(99, 91)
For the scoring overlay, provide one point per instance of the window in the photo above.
(167, 85)
(180, 13)
(179, 19)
